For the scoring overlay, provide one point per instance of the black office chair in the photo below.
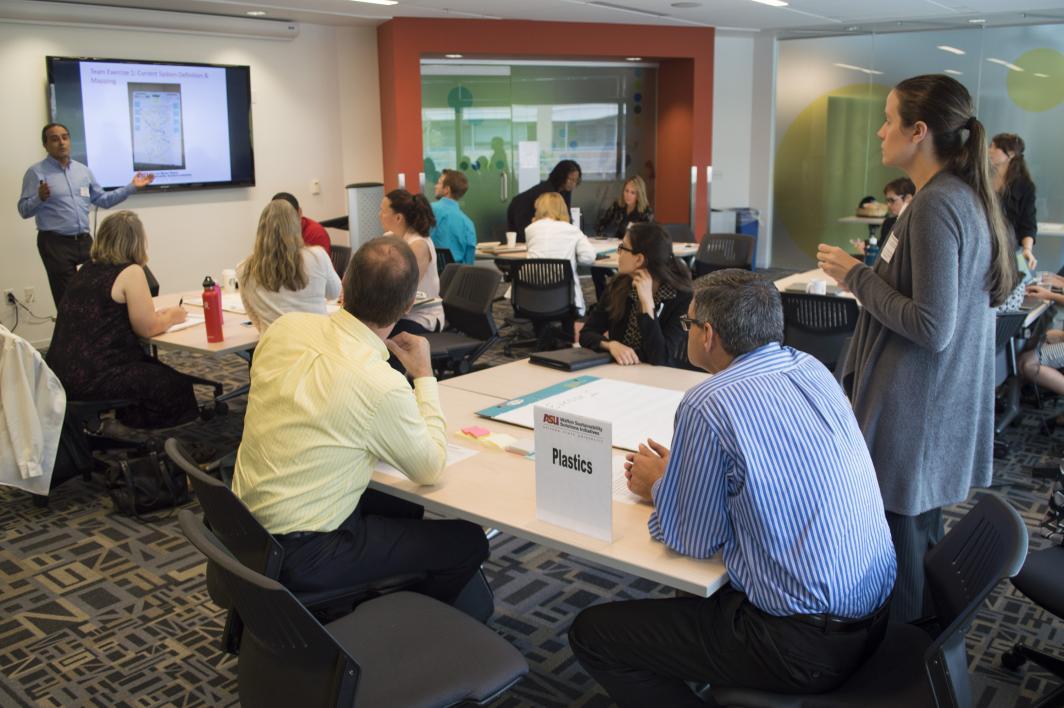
(910, 668)
(719, 251)
(256, 548)
(543, 292)
(340, 256)
(1008, 326)
(402, 649)
(447, 276)
(1041, 580)
(444, 257)
(471, 327)
(819, 324)
(679, 233)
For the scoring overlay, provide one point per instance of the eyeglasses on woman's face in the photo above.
(622, 247)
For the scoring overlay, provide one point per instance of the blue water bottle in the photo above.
(871, 251)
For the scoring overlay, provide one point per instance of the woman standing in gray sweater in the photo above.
(920, 370)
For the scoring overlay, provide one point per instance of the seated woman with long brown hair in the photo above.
(95, 350)
(638, 318)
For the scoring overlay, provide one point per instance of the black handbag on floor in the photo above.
(146, 483)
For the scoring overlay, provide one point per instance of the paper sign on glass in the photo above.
(574, 472)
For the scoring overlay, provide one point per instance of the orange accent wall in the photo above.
(685, 94)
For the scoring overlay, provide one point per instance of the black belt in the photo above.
(86, 234)
(297, 535)
(830, 623)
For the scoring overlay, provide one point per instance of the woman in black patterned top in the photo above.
(630, 208)
(95, 350)
(638, 318)
(1014, 186)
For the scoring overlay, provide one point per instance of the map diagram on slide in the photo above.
(156, 122)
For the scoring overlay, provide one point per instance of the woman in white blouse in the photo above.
(282, 274)
(550, 235)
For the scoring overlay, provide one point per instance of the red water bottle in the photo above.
(212, 310)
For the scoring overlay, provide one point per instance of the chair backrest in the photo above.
(286, 656)
(444, 257)
(988, 545)
(446, 276)
(543, 288)
(467, 304)
(679, 233)
(229, 519)
(719, 251)
(1008, 324)
(818, 324)
(340, 256)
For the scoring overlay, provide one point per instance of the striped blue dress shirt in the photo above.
(66, 211)
(768, 464)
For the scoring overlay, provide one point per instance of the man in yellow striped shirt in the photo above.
(324, 407)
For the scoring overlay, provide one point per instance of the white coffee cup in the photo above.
(817, 286)
(511, 238)
(229, 280)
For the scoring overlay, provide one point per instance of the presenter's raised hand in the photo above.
(646, 467)
(413, 353)
(835, 262)
(43, 192)
(141, 180)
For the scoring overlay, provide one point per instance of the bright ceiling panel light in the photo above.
(378, 2)
(1008, 65)
(256, 13)
(951, 50)
(773, 3)
(453, 56)
(870, 72)
(952, 72)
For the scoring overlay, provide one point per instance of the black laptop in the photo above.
(571, 359)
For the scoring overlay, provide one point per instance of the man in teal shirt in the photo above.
(454, 230)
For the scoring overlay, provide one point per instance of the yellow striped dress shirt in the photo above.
(324, 407)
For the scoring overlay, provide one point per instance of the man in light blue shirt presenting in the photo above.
(454, 230)
(768, 467)
(58, 191)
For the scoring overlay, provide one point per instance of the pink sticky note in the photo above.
(475, 431)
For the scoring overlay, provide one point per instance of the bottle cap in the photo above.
(208, 282)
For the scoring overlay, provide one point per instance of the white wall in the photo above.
(743, 91)
(315, 116)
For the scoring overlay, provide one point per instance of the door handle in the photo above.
(504, 186)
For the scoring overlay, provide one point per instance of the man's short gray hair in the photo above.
(743, 308)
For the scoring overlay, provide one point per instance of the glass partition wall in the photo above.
(505, 125)
(829, 104)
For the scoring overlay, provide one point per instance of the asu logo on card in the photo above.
(548, 418)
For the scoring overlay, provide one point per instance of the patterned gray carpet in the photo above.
(98, 609)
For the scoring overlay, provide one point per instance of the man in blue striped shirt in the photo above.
(768, 466)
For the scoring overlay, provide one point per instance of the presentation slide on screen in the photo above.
(169, 120)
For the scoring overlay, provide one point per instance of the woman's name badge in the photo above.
(888, 251)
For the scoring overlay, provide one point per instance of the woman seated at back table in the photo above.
(409, 216)
(638, 318)
(282, 274)
(550, 235)
(95, 350)
(632, 207)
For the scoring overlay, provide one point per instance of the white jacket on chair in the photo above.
(32, 406)
(548, 238)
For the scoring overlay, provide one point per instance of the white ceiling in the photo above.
(801, 16)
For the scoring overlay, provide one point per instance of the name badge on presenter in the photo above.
(574, 475)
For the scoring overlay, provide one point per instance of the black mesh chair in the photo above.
(402, 649)
(447, 275)
(444, 257)
(819, 324)
(1009, 325)
(250, 543)
(340, 256)
(719, 251)
(471, 327)
(1041, 580)
(543, 292)
(910, 668)
(679, 233)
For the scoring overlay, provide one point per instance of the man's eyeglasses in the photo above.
(686, 322)
(895, 198)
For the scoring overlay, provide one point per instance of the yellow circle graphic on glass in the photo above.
(1040, 86)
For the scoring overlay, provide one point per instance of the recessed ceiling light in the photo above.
(453, 56)
(773, 3)
(378, 2)
(1041, 76)
(256, 13)
(1008, 65)
(686, 4)
(870, 72)
(952, 50)
(977, 21)
(633, 58)
(852, 28)
(952, 72)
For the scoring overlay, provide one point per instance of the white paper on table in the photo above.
(635, 411)
(621, 493)
(455, 454)
(231, 302)
(190, 321)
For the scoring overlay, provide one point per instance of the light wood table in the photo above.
(238, 334)
(522, 377)
(798, 282)
(606, 248)
(498, 489)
